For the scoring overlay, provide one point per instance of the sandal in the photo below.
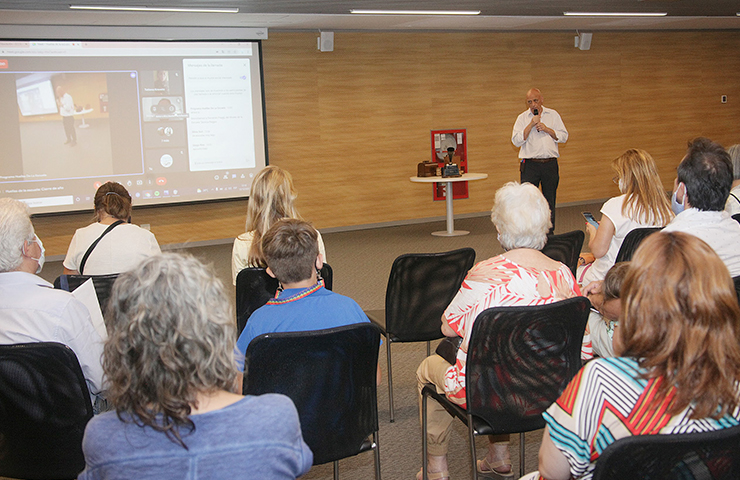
(433, 475)
(489, 469)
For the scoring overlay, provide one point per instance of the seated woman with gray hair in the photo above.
(522, 275)
(172, 378)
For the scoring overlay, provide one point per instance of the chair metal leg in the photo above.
(429, 348)
(377, 455)
(424, 446)
(471, 439)
(336, 470)
(390, 377)
(521, 454)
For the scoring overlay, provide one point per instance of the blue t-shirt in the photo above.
(255, 438)
(294, 312)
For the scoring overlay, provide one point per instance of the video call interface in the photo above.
(171, 121)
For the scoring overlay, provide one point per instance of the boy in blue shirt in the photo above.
(291, 250)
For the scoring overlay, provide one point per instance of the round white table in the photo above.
(82, 114)
(466, 177)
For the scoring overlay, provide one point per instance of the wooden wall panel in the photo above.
(352, 124)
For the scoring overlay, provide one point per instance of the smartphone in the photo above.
(590, 218)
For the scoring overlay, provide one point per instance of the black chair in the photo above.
(102, 283)
(44, 408)
(736, 217)
(565, 248)
(520, 360)
(331, 377)
(633, 240)
(420, 287)
(699, 456)
(736, 280)
(254, 287)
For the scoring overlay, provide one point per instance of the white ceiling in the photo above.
(499, 15)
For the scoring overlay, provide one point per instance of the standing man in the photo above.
(538, 130)
(67, 110)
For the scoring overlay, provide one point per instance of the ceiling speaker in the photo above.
(584, 41)
(326, 42)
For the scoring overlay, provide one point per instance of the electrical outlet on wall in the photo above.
(723, 99)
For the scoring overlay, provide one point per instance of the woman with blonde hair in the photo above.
(643, 203)
(677, 368)
(172, 377)
(271, 198)
(732, 206)
(112, 244)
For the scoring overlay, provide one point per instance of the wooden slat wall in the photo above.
(352, 124)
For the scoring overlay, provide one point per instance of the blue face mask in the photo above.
(675, 206)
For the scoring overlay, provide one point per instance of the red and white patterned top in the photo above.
(499, 282)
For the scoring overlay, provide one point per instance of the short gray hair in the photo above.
(15, 228)
(734, 152)
(171, 336)
(521, 216)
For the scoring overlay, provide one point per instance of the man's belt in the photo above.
(540, 160)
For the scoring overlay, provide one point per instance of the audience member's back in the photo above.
(171, 374)
(702, 185)
(291, 249)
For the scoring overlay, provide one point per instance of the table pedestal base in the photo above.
(454, 233)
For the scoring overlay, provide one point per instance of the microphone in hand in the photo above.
(535, 112)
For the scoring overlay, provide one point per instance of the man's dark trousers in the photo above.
(546, 173)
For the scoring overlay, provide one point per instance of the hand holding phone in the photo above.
(590, 219)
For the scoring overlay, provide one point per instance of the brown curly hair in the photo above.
(171, 336)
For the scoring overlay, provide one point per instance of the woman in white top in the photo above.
(122, 248)
(643, 203)
(733, 201)
(271, 198)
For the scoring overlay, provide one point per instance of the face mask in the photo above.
(41, 258)
(675, 206)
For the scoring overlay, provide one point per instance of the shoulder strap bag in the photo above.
(95, 243)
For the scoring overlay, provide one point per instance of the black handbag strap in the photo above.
(95, 243)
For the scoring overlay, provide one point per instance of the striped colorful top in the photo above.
(498, 282)
(608, 400)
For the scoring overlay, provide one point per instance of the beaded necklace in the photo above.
(304, 292)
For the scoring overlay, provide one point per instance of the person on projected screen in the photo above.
(537, 131)
(121, 246)
(67, 110)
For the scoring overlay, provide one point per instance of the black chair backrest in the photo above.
(565, 248)
(736, 217)
(520, 359)
(44, 408)
(736, 280)
(633, 240)
(330, 375)
(102, 283)
(706, 456)
(254, 287)
(420, 287)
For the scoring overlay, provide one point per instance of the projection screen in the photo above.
(172, 121)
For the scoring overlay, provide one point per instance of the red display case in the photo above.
(442, 140)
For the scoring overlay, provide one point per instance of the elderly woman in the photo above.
(112, 244)
(271, 198)
(522, 275)
(678, 364)
(172, 375)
